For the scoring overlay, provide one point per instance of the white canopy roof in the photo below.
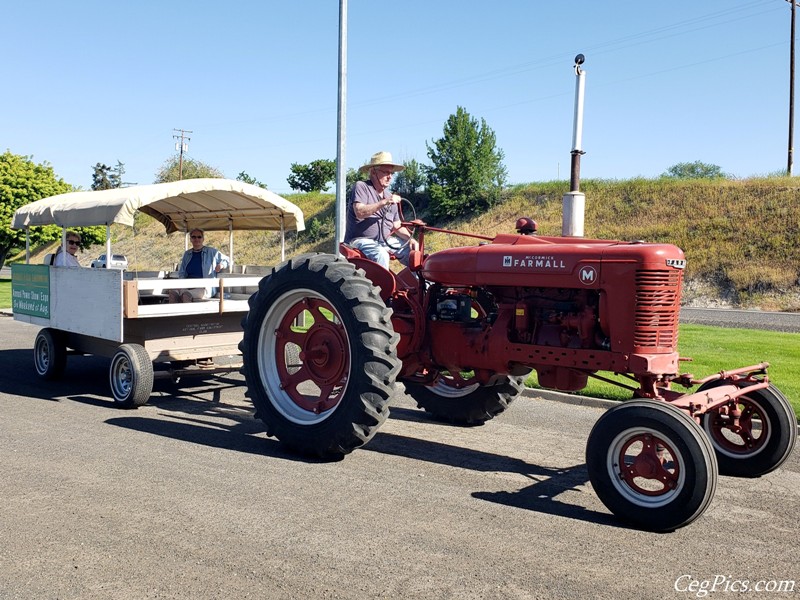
(210, 204)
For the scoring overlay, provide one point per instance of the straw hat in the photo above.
(380, 159)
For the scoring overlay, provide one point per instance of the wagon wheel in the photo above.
(131, 376)
(49, 353)
(762, 437)
(319, 355)
(651, 465)
(462, 400)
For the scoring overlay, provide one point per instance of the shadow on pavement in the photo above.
(86, 379)
(239, 437)
(83, 375)
(540, 496)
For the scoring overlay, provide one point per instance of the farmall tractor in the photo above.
(329, 340)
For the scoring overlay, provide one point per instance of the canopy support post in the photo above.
(109, 256)
(230, 243)
(283, 241)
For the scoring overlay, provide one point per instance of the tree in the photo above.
(192, 169)
(693, 170)
(411, 180)
(411, 183)
(22, 181)
(243, 176)
(106, 178)
(313, 177)
(468, 171)
(352, 176)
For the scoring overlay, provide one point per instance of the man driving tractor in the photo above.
(373, 218)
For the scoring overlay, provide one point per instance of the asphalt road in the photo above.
(187, 498)
(745, 319)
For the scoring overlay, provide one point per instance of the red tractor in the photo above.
(329, 339)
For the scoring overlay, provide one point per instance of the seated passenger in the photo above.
(199, 262)
(68, 258)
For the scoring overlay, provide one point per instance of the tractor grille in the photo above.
(658, 297)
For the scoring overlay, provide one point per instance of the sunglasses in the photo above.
(196, 237)
(73, 242)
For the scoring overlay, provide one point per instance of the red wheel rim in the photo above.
(739, 437)
(313, 361)
(647, 465)
(454, 379)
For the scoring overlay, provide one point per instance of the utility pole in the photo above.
(182, 147)
(574, 201)
(341, 129)
(790, 159)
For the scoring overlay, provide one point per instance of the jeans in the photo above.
(379, 251)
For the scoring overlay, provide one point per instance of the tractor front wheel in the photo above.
(651, 465)
(752, 435)
(319, 355)
(460, 400)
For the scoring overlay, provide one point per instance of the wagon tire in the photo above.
(767, 436)
(319, 356)
(49, 354)
(470, 404)
(651, 465)
(131, 376)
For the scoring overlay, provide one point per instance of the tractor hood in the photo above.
(517, 260)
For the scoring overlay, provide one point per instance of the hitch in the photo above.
(687, 379)
(739, 382)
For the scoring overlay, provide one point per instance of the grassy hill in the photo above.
(740, 236)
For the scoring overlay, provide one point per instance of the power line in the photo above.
(182, 146)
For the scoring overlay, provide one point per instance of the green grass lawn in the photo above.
(712, 349)
(5, 293)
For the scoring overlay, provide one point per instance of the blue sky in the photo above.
(256, 83)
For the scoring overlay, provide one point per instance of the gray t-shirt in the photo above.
(377, 226)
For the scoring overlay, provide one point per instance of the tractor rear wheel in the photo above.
(464, 402)
(319, 355)
(651, 465)
(760, 440)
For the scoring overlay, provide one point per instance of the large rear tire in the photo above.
(464, 402)
(49, 354)
(319, 355)
(651, 465)
(761, 440)
(131, 376)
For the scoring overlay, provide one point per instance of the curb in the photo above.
(541, 394)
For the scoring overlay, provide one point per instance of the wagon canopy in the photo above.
(209, 204)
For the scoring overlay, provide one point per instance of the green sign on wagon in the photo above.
(30, 290)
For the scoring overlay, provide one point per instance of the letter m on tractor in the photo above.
(587, 275)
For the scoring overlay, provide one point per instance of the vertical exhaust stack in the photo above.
(574, 201)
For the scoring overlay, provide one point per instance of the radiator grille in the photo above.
(657, 308)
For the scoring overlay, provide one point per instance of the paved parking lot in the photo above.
(187, 498)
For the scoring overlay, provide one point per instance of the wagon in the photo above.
(119, 314)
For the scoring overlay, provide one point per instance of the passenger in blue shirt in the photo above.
(200, 262)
